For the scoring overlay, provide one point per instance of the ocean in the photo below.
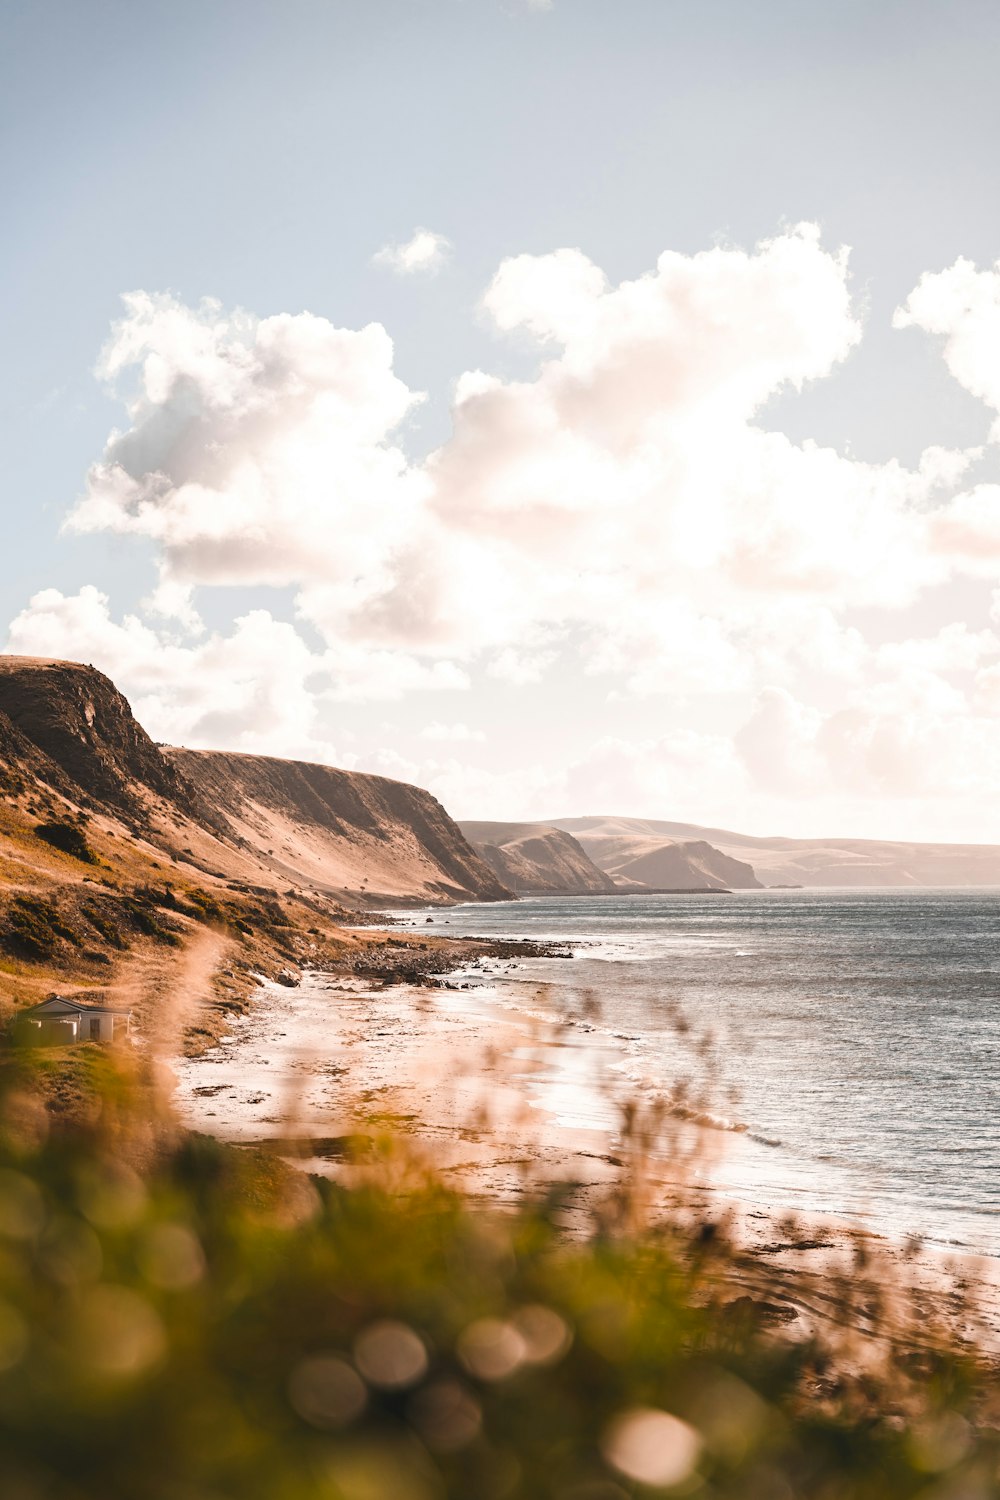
(853, 1037)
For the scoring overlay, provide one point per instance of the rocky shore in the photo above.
(409, 958)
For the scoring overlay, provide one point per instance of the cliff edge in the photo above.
(346, 832)
(66, 727)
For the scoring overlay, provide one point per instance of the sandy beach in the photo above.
(492, 1098)
(504, 1101)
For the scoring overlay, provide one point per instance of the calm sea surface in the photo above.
(858, 1034)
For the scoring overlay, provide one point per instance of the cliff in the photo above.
(66, 728)
(80, 721)
(634, 852)
(344, 831)
(690, 865)
(536, 860)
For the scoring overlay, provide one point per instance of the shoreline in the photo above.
(782, 1032)
(485, 1097)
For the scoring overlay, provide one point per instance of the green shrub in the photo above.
(102, 922)
(32, 927)
(142, 915)
(180, 1320)
(67, 838)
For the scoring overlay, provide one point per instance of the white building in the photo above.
(62, 1021)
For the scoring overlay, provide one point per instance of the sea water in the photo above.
(855, 1035)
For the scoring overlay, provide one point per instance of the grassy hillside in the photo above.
(533, 859)
(126, 880)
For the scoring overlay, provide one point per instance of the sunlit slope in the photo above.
(539, 858)
(344, 832)
(71, 747)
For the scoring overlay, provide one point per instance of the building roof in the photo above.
(62, 1005)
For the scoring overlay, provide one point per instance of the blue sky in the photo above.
(261, 155)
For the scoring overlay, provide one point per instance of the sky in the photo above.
(577, 407)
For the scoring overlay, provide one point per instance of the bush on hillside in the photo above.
(32, 927)
(68, 839)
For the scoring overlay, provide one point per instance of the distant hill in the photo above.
(540, 858)
(535, 860)
(616, 844)
(689, 864)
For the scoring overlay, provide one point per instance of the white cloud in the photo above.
(424, 253)
(257, 451)
(624, 514)
(521, 665)
(962, 304)
(259, 688)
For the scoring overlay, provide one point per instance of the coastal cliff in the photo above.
(692, 864)
(534, 860)
(167, 882)
(66, 728)
(350, 833)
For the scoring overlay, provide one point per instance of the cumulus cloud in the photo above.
(962, 304)
(625, 513)
(422, 254)
(258, 687)
(257, 450)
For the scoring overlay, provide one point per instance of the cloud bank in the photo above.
(627, 515)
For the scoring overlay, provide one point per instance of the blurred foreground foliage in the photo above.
(182, 1320)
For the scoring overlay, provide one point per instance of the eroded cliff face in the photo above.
(76, 717)
(353, 834)
(533, 859)
(234, 817)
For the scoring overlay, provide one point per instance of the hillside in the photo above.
(691, 864)
(82, 724)
(635, 856)
(348, 834)
(168, 883)
(535, 860)
(230, 815)
(617, 844)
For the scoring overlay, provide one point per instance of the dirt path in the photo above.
(168, 990)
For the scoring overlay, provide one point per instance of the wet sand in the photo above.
(491, 1099)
